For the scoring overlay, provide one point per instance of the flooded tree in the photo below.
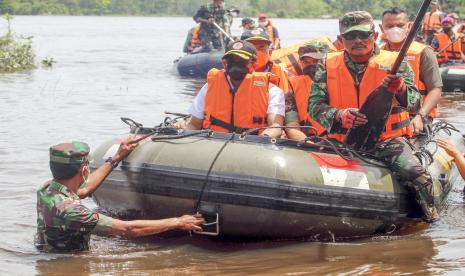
(16, 53)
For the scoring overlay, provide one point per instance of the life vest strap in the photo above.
(295, 64)
(397, 109)
(220, 123)
(401, 124)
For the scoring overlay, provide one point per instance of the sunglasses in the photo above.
(353, 35)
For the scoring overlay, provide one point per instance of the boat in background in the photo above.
(453, 77)
(198, 64)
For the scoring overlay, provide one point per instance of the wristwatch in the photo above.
(112, 162)
(424, 116)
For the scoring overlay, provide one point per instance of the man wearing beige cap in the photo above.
(297, 100)
(342, 85)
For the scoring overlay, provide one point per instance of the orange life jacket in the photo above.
(338, 45)
(236, 112)
(269, 30)
(461, 29)
(196, 42)
(281, 73)
(289, 57)
(343, 92)
(413, 57)
(432, 21)
(453, 52)
(302, 85)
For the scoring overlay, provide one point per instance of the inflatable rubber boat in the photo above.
(251, 186)
(453, 77)
(198, 65)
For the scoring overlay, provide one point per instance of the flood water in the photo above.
(109, 67)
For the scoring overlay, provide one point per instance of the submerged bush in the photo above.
(16, 52)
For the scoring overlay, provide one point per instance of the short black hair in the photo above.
(394, 10)
(62, 171)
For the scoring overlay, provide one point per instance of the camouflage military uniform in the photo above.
(63, 223)
(396, 152)
(209, 34)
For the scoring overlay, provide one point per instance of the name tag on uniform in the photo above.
(259, 83)
(409, 58)
(384, 67)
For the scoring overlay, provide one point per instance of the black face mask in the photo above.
(237, 71)
(446, 29)
(310, 70)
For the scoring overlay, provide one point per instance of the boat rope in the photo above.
(425, 155)
(207, 176)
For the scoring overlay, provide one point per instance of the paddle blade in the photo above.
(377, 108)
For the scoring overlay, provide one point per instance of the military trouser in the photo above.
(400, 156)
(211, 38)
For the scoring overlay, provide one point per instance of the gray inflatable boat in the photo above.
(250, 186)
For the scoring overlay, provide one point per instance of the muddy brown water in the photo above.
(108, 67)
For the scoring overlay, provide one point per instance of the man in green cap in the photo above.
(310, 55)
(342, 85)
(65, 225)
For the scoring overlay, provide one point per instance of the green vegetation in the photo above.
(15, 51)
(275, 8)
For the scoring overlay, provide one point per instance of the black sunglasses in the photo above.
(354, 34)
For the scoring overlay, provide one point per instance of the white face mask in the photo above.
(396, 34)
(263, 23)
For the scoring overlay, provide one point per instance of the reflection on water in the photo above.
(203, 256)
(110, 67)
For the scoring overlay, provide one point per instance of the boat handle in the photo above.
(217, 228)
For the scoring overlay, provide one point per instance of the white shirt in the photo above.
(276, 103)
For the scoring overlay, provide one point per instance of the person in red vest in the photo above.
(237, 99)
(432, 22)
(265, 23)
(297, 100)
(447, 44)
(395, 26)
(262, 43)
(343, 83)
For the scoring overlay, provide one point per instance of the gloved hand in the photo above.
(350, 118)
(394, 83)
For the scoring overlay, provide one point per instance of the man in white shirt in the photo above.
(237, 99)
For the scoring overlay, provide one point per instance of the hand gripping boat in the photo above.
(250, 186)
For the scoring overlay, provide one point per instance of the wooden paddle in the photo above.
(378, 104)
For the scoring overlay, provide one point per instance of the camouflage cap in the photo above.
(256, 35)
(356, 21)
(242, 49)
(69, 153)
(316, 50)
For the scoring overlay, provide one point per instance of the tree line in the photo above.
(275, 8)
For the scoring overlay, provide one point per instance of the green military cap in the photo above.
(316, 50)
(356, 21)
(69, 153)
